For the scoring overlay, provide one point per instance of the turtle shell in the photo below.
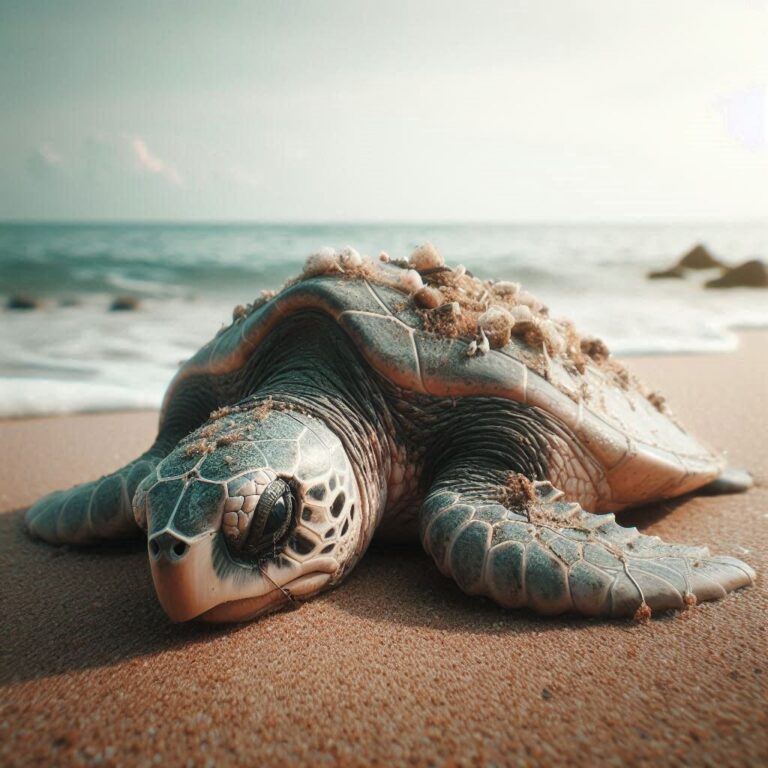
(645, 455)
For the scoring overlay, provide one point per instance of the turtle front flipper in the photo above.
(520, 544)
(103, 509)
(93, 511)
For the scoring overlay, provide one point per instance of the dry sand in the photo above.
(396, 666)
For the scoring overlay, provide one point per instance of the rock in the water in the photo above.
(699, 258)
(676, 272)
(124, 304)
(750, 274)
(22, 301)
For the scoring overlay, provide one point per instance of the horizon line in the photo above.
(650, 221)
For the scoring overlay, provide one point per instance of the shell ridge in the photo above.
(377, 299)
(416, 357)
(364, 313)
(432, 364)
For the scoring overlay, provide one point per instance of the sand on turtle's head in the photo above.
(199, 448)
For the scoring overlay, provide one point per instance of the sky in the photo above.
(384, 111)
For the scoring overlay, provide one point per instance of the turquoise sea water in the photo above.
(73, 354)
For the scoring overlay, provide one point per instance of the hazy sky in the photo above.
(541, 110)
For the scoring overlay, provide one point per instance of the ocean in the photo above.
(73, 354)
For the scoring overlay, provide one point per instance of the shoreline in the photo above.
(396, 663)
(744, 335)
(73, 353)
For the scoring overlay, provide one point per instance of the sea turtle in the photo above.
(403, 398)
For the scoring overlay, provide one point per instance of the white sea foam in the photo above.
(65, 359)
(42, 397)
(85, 358)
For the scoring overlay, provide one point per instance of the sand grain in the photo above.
(396, 666)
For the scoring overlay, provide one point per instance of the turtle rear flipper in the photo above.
(543, 553)
(91, 512)
(732, 480)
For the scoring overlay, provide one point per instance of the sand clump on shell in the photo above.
(453, 303)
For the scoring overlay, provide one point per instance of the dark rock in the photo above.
(663, 274)
(124, 304)
(23, 301)
(750, 274)
(699, 258)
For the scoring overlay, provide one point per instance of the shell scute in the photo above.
(193, 518)
(386, 343)
(239, 457)
(339, 294)
(396, 304)
(163, 499)
(641, 449)
(610, 446)
(447, 371)
(315, 459)
(541, 394)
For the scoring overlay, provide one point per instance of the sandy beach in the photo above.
(396, 666)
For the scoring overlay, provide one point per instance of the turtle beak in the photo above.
(180, 572)
(187, 587)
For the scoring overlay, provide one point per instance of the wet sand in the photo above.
(396, 666)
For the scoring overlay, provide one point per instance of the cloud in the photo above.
(49, 155)
(44, 160)
(150, 162)
(104, 159)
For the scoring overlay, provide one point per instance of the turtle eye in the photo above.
(271, 518)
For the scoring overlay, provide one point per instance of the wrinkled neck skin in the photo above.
(311, 366)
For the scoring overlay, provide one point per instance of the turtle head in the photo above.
(258, 508)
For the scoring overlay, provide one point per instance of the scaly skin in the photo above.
(313, 415)
(97, 511)
(553, 557)
(200, 503)
(493, 521)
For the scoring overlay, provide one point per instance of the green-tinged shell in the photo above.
(644, 453)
